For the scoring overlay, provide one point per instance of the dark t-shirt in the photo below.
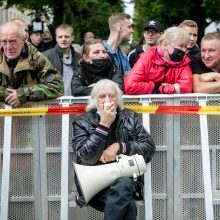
(133, 56)
(196, 64)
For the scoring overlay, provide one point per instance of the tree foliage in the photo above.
(172, 12)
(92, 15)
(87, 15)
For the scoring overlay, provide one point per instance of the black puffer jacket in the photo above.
(88, 144)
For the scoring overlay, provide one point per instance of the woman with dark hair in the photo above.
(94, 65)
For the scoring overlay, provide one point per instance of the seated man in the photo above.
(102, 133)
(25, 73)
(209, 79)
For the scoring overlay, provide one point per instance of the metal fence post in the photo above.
(6, 167)
(206, 164)
(64, 165)
(147, 176)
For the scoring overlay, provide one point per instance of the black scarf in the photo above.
(98, 69)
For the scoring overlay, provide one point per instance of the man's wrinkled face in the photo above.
(107, 95)
(12, 43)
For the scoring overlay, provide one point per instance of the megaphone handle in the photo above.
(139, 173)
(117, 157)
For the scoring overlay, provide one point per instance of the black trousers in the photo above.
(117, 201)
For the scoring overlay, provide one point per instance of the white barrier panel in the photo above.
(41, 172)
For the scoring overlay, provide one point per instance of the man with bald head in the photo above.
(24, 25)
(25, 73)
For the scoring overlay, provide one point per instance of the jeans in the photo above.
(117, 201)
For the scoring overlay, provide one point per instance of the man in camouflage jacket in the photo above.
(25, 73)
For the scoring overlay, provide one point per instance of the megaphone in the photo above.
(93, 179)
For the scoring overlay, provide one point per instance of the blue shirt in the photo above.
(120, 58)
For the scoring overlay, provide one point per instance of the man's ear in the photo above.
(26, 37)
(118, 27)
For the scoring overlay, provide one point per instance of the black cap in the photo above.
(153, 24)
(33, 31)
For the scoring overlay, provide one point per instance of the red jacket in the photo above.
(151, 69)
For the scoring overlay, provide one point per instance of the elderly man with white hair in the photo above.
(25, 73)
(104, 131)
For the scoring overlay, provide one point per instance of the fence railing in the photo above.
(183, 182)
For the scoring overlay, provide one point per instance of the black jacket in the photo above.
(55, 55)
(88, 144)
(81, 81)
(134, 55)
(44, 46)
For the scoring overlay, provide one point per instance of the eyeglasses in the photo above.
(152, 32)
(11, 42)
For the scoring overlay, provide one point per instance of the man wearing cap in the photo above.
(152, 32)
(36, 39)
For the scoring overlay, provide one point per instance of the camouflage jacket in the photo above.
(34, 77)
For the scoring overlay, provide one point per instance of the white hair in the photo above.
(104, 85)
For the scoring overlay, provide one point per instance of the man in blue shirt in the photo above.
(120, 30)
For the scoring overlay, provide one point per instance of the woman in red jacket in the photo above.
(164, 69)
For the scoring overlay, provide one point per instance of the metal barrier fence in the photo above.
(36, 158)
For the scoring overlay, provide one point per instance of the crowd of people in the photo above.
(38, 62)
(164, 61)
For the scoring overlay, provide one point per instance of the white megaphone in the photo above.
(93, 179)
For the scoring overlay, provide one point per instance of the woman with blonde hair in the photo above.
(94, 65)
(164, 69)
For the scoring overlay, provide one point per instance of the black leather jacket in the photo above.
(88, 144)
